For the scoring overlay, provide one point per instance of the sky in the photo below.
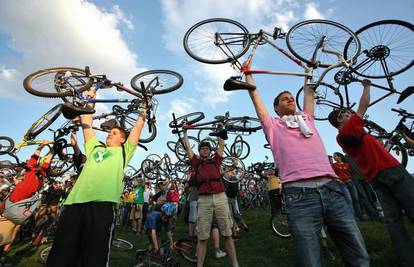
(123, 38)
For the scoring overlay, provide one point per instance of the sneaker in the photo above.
(220, 254)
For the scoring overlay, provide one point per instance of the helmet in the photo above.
(168, 209)
(204, 144)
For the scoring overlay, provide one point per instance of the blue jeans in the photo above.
(395, 190)
(308, 209)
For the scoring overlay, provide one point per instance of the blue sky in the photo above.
(123, 38)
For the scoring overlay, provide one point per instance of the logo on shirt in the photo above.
(100, 156)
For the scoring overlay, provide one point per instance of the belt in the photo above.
(312, 182)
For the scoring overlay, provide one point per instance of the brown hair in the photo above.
(333, 117)
(123, 132)
(277, 98)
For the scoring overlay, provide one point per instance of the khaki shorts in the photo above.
(136, 212)
(207, 205)
(6, 231)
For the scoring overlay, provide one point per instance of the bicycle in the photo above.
(392, 140)
(185, 247)
(218, 40)
(7, 145)
(117, 243)
(71, 83)
(385, 47)
(218, 126)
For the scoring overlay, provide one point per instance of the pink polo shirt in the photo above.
(296, 156)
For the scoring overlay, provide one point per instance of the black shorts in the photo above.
(84, 235)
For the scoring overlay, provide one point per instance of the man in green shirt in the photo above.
(84, 234)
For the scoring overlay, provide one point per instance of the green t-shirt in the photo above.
(139, 195)
(102, 174)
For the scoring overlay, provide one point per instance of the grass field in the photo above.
(258, 247)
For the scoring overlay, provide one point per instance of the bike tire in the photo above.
(187, 248)
(327, 98)
(44, 122)
(44, 254)
(303, 37)
(121, 244)
(385, 41)
(243, 124)
(199, 41)
(148, 134)
(189, 118)
(57, 82)
(395, 148)
(149, 169)
(62, 161)
(157, 81)
(228, 165)
(279, 226)
(180, 151)
(238, 147)
(6, 145)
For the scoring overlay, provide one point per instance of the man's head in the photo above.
(338, 117)
(204, 149)
(284, 104)
(116, 137)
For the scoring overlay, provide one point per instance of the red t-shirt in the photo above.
(208, 177)
(370, 156)
(31, 181)
(342, 170)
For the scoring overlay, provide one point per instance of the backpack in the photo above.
(19, 212)
(194, 180)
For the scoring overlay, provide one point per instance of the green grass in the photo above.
(258, 247)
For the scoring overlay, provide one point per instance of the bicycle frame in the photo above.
(262, 36)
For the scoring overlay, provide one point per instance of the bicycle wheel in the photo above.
(189, 118)
(327, 98)
(240, 149)
(57, 82)
(187, 249)
(128, 121)
(303, 38)
(122, 244)
(280, 225)
(243, 124)
(150, 169)
(62, 161)
(157, 82)
(374, 129)
(395, 148)
(216, 41)
(44, 254)
(180, 151)
(45, 121)
(387, 49)
(6, 145)
(232, 169)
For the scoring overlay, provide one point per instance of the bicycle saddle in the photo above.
(70, 111)
(406, 93)
(235, 84)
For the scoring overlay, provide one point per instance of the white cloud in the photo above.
(65, 33)
(180, 107)
(312, 12)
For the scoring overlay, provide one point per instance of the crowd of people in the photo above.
(322, 195)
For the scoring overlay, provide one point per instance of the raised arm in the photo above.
(365, 98)
(258, 103)
(190, 152)
(309, 98)
(137, 129)
(87, 119)
(220, 147)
